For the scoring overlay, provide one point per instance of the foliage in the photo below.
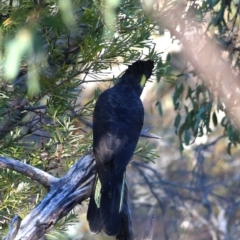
(50, 50)
(199, 105)
(62, 226)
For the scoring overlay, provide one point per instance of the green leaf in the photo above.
(180, 89)
(176, 96)
(200, 131)
(67, 12)
(229, 131)
(189, 93)
(224, 122)
(177, 120)
(181, 130)
(176, 103)
(181, 148)
(159, 70)
(21, 45)
(214, 118)
(159, 105)
(187, 137)
(33, 81)
(168, 57)
(210, 2)
(229, 146)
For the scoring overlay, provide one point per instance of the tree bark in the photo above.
(63, 195)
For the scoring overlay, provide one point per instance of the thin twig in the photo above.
(149, 135)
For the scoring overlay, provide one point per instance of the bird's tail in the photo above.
(93, 214)
(105, 206)
(111, 207)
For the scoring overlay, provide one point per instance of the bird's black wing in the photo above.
(117, 123)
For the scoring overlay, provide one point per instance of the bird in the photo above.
(117, 122)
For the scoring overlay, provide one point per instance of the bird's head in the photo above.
(138, 73)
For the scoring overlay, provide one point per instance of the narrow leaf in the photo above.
(214, 118)
(159, 105)
(187, 137)
(177, 120)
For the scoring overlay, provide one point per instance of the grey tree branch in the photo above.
(36, 174)
(13, 227)
(144, 133)
(64, 194)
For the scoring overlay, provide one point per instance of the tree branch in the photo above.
(62, 197)
(144, 133)
(35, 174)
(64, 194)
(13, 228)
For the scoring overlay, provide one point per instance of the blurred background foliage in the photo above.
(57, 57)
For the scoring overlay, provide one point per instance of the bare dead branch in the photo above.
(35, 174)
(144, 133)
(64, 194)
(62, 197)
(13, 228)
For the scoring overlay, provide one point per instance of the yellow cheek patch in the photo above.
(143, 80)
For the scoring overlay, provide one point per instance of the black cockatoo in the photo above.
(117, 123)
